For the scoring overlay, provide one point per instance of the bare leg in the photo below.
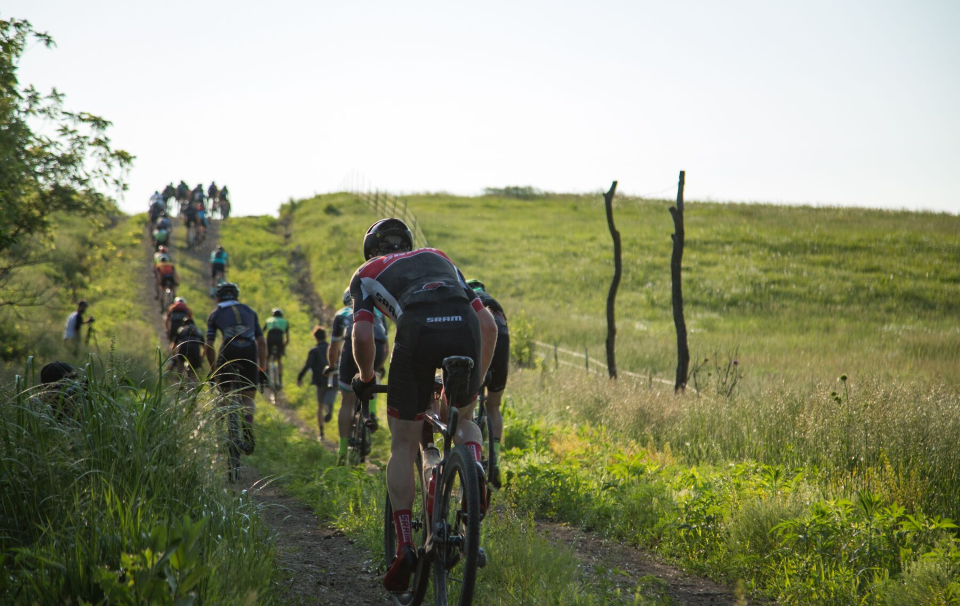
(404, 444)
(493, 411)
(348, 401)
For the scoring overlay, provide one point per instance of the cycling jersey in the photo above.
(343, 326)
(237, 323)
(237, 361)
(160, 235)
(166, 270)
(218, 257)
(275, 329)
(436, 315)
(395, 282)
(164, 223)
(177, 314)
(276, 323)
(499, 316)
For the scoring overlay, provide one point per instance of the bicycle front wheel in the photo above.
(456, 554)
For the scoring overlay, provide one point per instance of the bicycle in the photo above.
(483, 421)
(273, 375)
(448, 541)
(358, 444)
(166, 298)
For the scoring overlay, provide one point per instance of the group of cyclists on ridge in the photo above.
(195, 207)
(438, 314)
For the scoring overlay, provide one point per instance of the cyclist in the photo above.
(497, 377)
(168, 192)
(437, 316)
(202, 219)
(187, 347)
(183, 191)
(224, 203)
(189, 212)
(219, 263)
(340, 356)
(243, 352)
(196, 196)
(317, 365)
(162, 251)
(161, 231)
(277, 330)
(212, 192)
(166, 275)
(176, 315)
(156, 207)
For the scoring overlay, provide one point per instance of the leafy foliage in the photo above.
(41, 173)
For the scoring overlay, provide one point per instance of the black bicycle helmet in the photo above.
(387, 236)
(228, 291)
(346, 297)
(277, 312)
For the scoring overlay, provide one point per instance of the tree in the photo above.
(42, 174)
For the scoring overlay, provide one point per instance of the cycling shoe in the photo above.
(397, 579)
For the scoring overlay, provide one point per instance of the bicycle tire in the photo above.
(421, 578)
(460, 490)
(356, 444)
(233, 447)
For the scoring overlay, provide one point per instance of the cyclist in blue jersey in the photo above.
(240, 364)
(340, 356)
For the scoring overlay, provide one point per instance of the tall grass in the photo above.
(860, 433)
(110, 488)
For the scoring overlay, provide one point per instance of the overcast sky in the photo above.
(821, 102)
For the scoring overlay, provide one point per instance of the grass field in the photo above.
(809, 488)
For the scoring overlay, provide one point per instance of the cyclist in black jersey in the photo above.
(243, 351)
(437, 315)
(316, 364)
(346, 366)
(497, 377)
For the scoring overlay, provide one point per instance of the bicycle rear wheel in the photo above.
(457, 543)
(419, 521)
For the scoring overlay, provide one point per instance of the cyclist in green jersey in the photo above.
(219, 262)
(277, 330)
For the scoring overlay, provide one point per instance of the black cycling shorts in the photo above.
(190, 219)
(426, 334)
(500, 365)
(237, 368)
(348, 366)
(275, 343)
(217, 268)
(167, 282)
(192, 352)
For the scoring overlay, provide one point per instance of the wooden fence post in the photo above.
(556, 357)
(586, 357)
(614, 285)
(683, 353)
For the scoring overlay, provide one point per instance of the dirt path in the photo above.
(603, 561)
(318, 564)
